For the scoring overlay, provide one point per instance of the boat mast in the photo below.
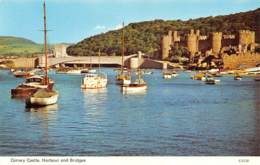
(99, 61)
(45, 44)
(123, 49)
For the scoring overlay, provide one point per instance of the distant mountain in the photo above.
(18, 46)
(146, 36)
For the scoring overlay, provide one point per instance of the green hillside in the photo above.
(145, 36)
(18, 46)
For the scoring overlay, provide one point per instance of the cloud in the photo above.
(119, 26)
(100, 27)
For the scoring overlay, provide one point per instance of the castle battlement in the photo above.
(244, 41)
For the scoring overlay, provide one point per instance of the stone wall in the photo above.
(234, 61)
(23, 62)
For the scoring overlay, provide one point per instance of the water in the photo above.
(175, 117)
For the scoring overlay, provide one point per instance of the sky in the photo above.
(70, 21)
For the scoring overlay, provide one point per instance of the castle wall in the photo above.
(257, 29)
(234, 61)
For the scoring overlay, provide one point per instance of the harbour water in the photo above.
(174, 117)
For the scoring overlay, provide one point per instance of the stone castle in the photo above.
(215, 44)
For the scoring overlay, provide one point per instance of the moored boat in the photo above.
(74, 71)
(174, 74)
(257, 78)
(30, 86)
(237, 77)
(211, 81)
(42, 97)
(23, 74)
(167, 75)
(138, 86)
(199, 76)
(45, 96)
(94, 81)
(124, 75)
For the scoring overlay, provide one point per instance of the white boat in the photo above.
(74, 71)
(92, 71)
(124, 76)
(123, 79)
(94, 81)
(42, 97)
(138, 86)
(237, 77)
(134, 88)
(174, 74)
(45, 96)
(167, 75)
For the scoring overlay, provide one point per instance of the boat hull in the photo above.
(94, 83)
(140, 88)
(23, 92)
(167, 76)
(124, 82)
(39, 102)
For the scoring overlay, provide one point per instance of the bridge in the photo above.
(82, 60)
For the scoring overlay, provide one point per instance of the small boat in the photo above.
(74, 71)
(23, 74)
(30, 86)
(174, 74)
(167, 75)
(147, 72)
(123, 79)
(93, 80)
(237, 77)
(46, 96)
(257, 78)
(199, 76)
(138, 86)
(211, 81)
(42, 97)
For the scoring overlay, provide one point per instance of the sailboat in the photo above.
(30, 86)
(23, 73)
(94, 80)
(123, 77)
(138, 86)
(45, 96)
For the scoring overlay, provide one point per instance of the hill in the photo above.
(18, 46)
(146, 36)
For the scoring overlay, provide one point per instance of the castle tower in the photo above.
(216, 39)
(246, 39)
(257, 29)
(176, 38)
(192, 42)
(166, 45)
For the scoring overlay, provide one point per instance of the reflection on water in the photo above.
(141, 92)
(46, 116)
(95, 101)
(43, 109)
